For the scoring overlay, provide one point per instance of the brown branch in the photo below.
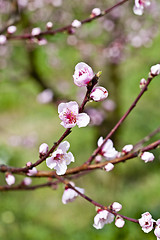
(66, 28)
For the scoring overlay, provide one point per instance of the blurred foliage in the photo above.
(25, 124)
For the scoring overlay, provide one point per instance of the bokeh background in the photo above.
(124, 46)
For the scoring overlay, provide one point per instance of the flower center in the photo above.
(58, 157)
(70, 116)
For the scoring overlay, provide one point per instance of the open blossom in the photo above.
(119, 222)
(155, 70)
(103, 217)
(146, 222)
(60, 158)
(70, 116)
(147, 157)
(157, 229)
(140, 5)
(83, 74)
(70, 195)
(107, 151)
(109, 167)
(10, 179)
(99, 94)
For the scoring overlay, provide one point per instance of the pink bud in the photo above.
(76, 23)
(36, 31)
(116, 206)
(32, 172)
(42, 42)
(119, 222)
(28, 164)
(3, 39)
(49, 25)
(10, 179)
(127, 148)
(96, 12)
(142, 83)
(147, 157)
(99, 94)
(11, 29)
(155, 70)
(43, 149)
(108, 167)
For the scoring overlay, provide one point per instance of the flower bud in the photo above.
(27, 181)
(3, 39)
(10, 179)
(36, 31)
(95, 12)
(116, 206)
(99, 94)
(147, 157)
(155, 70)
(119, 222)
(43, 149)
(142, 83)
(83, 74)
(127, 148)
(109, 167)
(76, 23)
(11, 29)
(32, 172)
(49, 25)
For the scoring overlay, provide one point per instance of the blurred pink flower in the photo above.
(10, 179)
(127, 148)
(83, 74)
(43, 149)
(119, 222)
(116, 206)
(109, 167)
(60, 158)
(155, 70)
(68, 113)
(76, 23)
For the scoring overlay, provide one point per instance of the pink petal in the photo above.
(83, 120)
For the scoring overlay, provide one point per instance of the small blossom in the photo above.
(109, 167)
(32, 172)
(103, 217)
(49, 25)
(99, 94)
(76, 23)
(70, 195)
(142, 83)
(27, 181)
(68, 113)
(83, 74)
(107, 151)
(119, 222)
(98, 158)
(42, 42)
(36, 31)
(146, 222)
(10, 179)
(60, 158)
(116, 206)
(95, 12)
(157, 229)
(3, 39)
(155, 70)
(43, 149)
(147, 157)
(140, 5)
(127, 148)
(11, 29)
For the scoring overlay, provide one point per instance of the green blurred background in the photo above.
(26, 70)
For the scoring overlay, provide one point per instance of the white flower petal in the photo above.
(64, 146)
(51, 163)
(83, 120)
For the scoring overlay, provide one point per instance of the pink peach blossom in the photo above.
(83, 74)
(99, 94)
